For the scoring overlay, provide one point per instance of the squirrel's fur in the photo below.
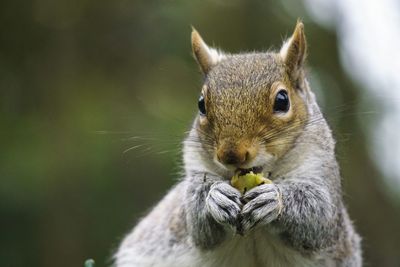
(298, 220)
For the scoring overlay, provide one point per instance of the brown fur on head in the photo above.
(240, 128)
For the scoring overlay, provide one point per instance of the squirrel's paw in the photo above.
(223, 203)
(263, 204)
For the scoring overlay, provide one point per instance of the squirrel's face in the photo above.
(251, 107)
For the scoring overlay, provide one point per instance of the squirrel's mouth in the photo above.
(255, 170)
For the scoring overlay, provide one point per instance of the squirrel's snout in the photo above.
(235, 155)
(232, 157)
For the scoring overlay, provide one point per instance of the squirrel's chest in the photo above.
(254, 250)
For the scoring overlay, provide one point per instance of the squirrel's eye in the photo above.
(202, 106)
(281, 102)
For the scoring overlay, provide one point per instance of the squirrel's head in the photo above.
(252, 106)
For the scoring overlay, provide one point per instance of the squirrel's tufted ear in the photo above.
(294, 50)
(207, 57)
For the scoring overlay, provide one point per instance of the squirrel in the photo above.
(256, 113)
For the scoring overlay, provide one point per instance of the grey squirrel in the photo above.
(256, 113)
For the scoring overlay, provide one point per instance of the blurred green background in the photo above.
(96, 97)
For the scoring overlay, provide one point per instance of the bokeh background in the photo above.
(96, 97)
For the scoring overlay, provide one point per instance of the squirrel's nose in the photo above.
(233, 156)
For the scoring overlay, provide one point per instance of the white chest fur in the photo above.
(257, 249)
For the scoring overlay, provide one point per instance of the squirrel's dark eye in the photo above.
(281, 102)
(202, 106)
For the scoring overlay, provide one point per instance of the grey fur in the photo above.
(299, 220)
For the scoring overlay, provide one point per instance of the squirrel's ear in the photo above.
(294, 50)
(207, 57)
